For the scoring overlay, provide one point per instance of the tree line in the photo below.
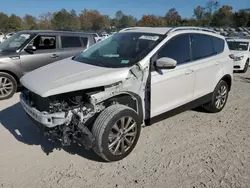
(211, 14)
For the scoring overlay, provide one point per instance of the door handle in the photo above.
(189, 71)
(54, 56)
(15, 57)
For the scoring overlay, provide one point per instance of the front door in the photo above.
(46, 52)
(173, 88)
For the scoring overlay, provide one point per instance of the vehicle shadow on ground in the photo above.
(200, 109)
(15, 120)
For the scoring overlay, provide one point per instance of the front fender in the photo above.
(12, 67)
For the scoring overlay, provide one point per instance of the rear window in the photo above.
(202, 46)
(70, 42)
(219, 45)
(84, 41)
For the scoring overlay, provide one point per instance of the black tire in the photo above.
(212, 106)
(11, 91)
(103, 126)
(246, 67)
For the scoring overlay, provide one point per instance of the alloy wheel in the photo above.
(122, 135)
(6, 87)
(221, 97)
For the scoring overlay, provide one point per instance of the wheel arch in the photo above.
(228, 79)
(12, 74)
(129, 99)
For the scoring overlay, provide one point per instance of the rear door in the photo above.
(46, 52)
(208, 62)
(70, 46)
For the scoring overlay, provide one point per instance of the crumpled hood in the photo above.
(68, 75)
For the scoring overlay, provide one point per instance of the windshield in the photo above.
(120, 50)
(238, 46)
(15, 42)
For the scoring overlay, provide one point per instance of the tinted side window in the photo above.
(84, 41)
(219, 45)
(177, 48)
(70, 42)
(202, 46)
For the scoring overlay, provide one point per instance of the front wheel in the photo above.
(219, 98)
(8, 86)
(116, 130)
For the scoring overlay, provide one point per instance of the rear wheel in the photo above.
(8, 86)
(219, 98)
(116, 130)
(246, 67)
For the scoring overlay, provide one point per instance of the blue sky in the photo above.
(109, 7)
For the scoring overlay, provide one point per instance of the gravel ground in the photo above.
(192, 149)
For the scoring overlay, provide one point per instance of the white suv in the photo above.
(101, 97)
(241, 51)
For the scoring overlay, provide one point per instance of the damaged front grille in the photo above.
(79, 113)
(36, 101)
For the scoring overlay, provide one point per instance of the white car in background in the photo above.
(97, 37)
(2, 37)
(241, 50)
(105, 35)
(10, 35)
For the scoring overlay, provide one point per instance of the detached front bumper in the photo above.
(44, 118)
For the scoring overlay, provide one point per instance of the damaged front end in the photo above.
(69, 117)
(66, 117)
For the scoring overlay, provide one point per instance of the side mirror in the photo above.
(166, 63)
(30, 49)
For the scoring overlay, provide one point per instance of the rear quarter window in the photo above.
(70, 42)
(219, 45)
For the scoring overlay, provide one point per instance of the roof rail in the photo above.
(191, 28)
(130, 28)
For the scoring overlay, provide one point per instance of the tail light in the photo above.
(4, 37)
(232, 56)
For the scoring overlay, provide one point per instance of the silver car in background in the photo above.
(26, 51)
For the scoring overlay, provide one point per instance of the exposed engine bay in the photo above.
(77, 110)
